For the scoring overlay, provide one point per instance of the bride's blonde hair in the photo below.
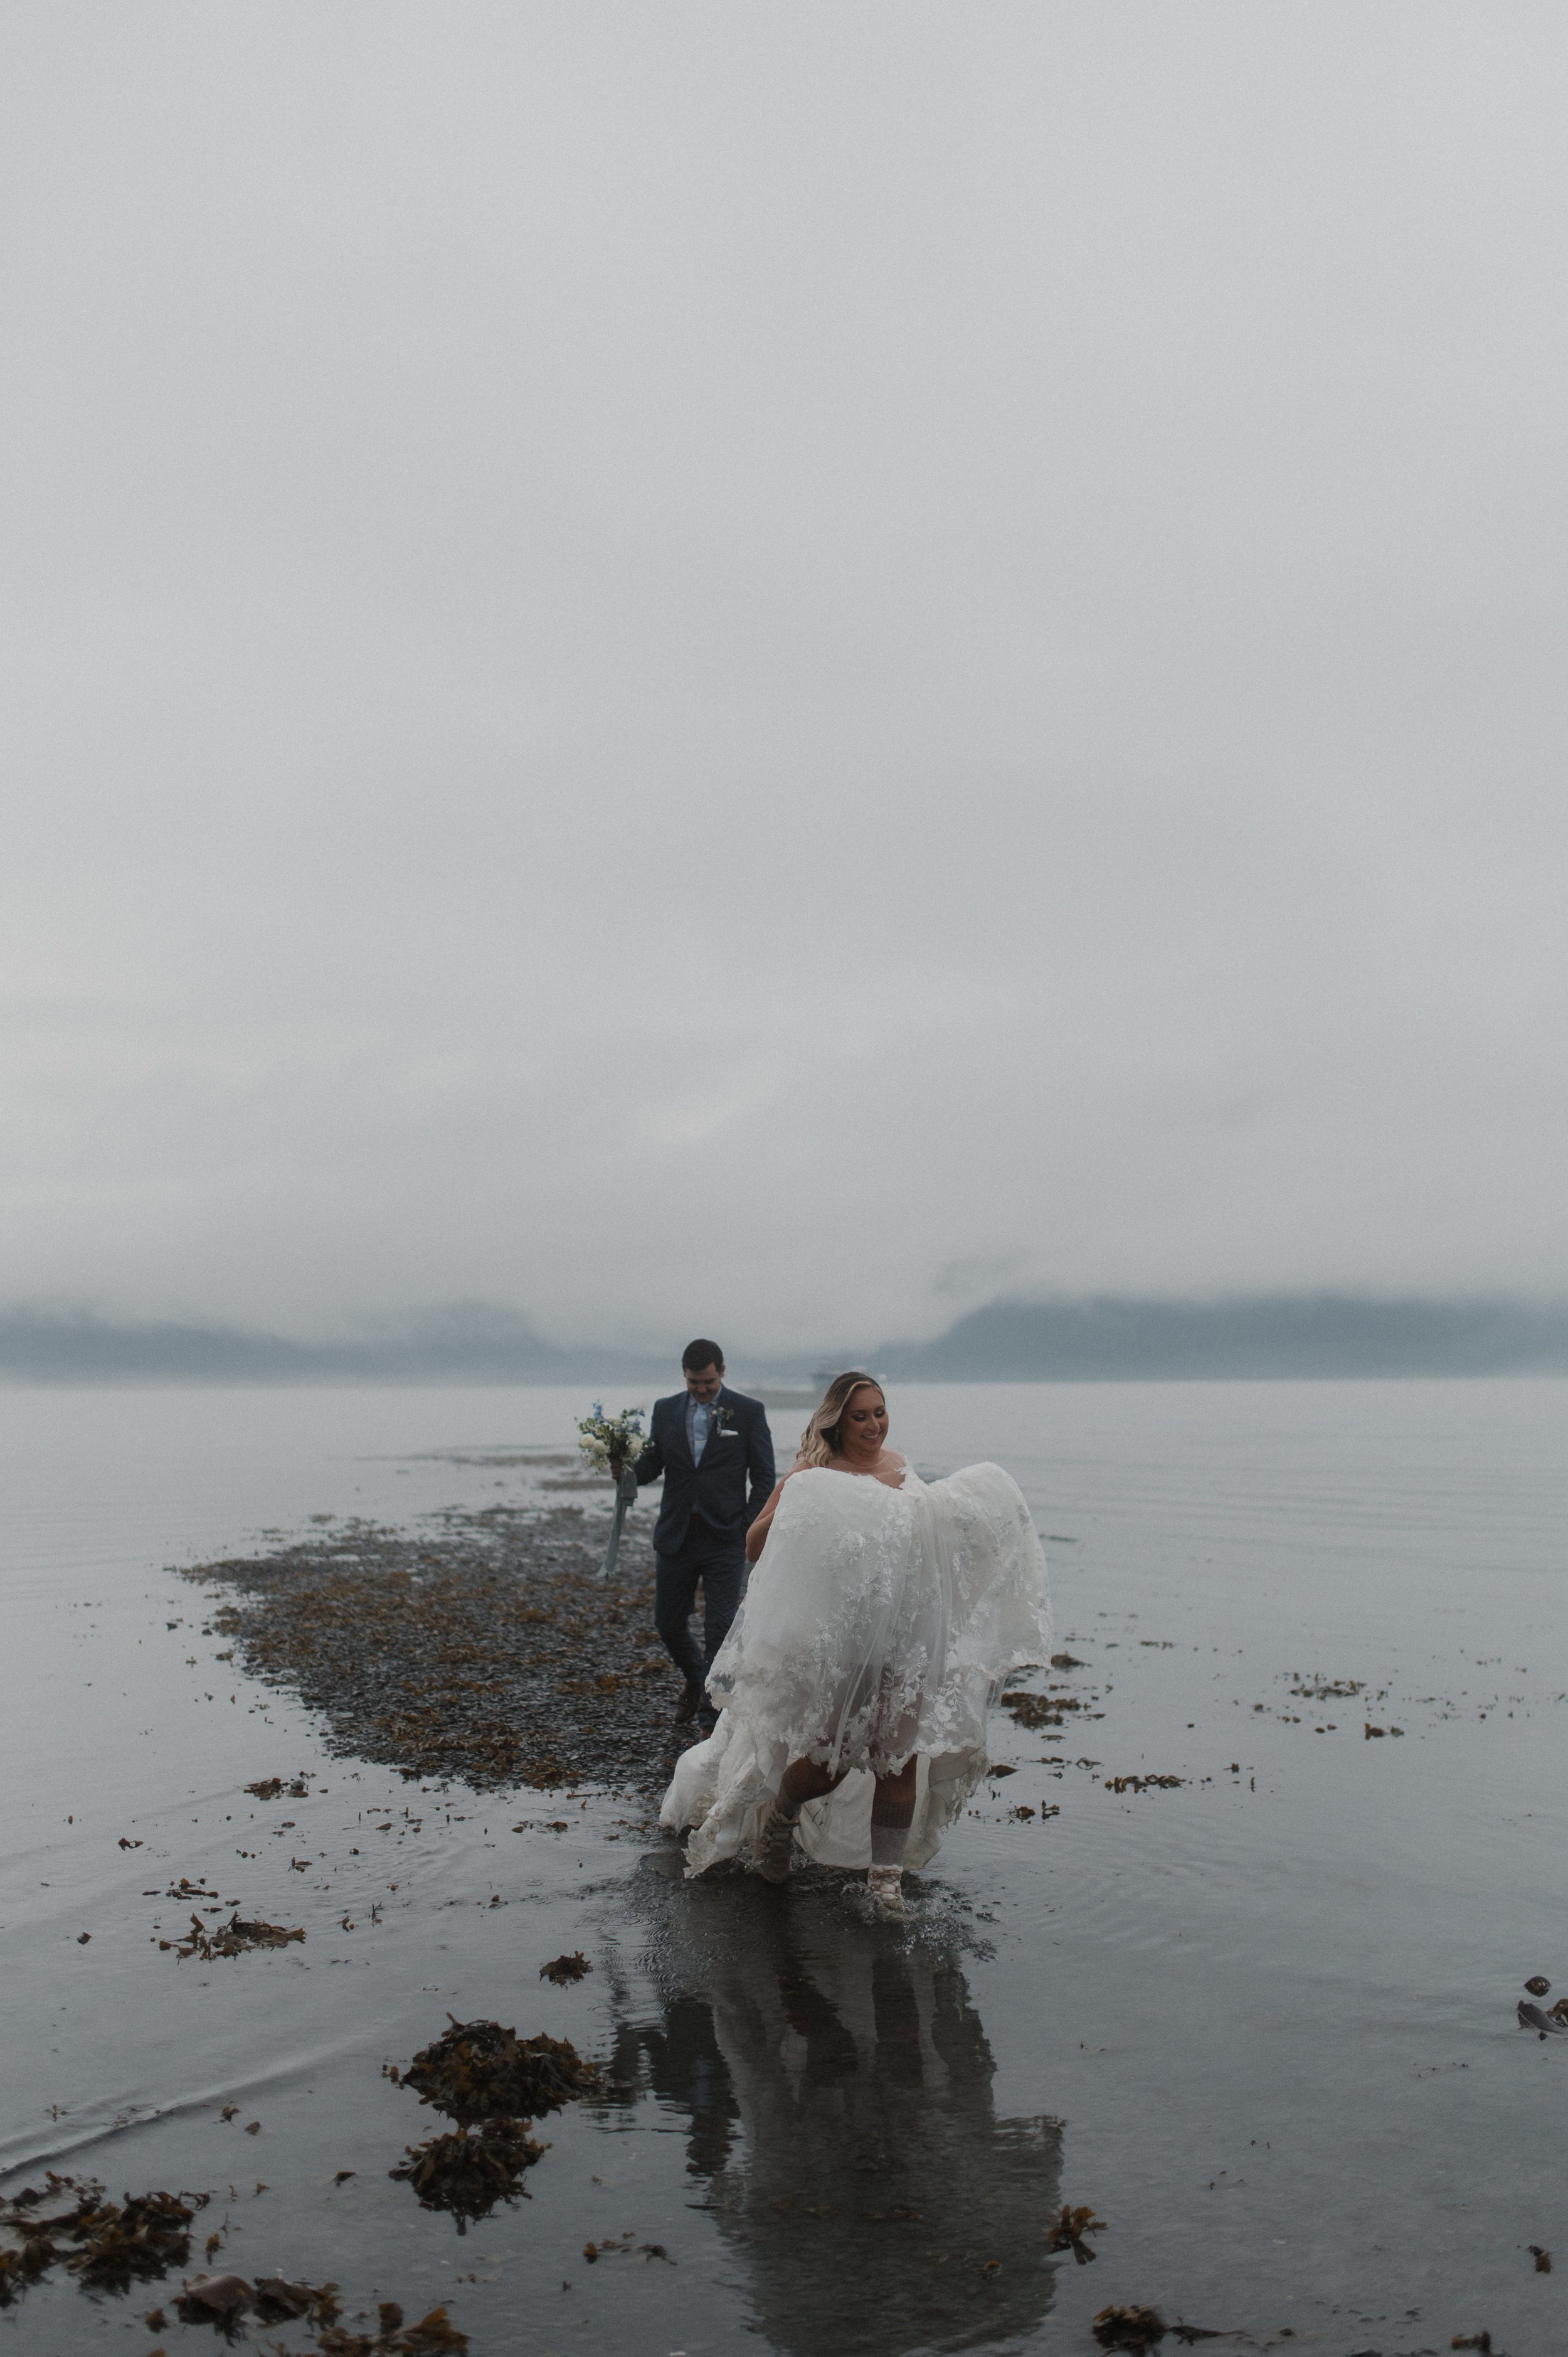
(820, 1441)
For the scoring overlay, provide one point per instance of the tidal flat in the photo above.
(1225, 1960)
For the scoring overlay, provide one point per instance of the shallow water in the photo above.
(1263, 2023)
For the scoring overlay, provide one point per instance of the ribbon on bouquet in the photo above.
(626, 1492)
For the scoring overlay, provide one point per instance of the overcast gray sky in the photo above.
(777, 667)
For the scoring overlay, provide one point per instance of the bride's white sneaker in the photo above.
(886, 1886)
(775, 1842)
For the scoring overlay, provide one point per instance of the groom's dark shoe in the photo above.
(690, 1703)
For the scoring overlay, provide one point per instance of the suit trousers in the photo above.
(719, 1563)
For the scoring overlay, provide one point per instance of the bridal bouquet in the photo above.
(611, 1442)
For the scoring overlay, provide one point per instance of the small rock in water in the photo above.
(277, 2300)
(1539, 1985)
(224, 2295)
(1128, 2327)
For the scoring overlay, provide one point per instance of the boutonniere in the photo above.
(724, 1419)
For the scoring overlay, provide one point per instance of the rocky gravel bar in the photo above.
(486, 1648)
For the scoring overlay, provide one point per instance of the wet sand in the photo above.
(1260, 2020)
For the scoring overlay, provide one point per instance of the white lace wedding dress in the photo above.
(878, 1623)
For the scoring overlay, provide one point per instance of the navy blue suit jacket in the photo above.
(738, 1456)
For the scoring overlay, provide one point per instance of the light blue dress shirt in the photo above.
(699, 1419)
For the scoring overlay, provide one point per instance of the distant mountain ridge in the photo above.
(1103, 1339)
(1111, 1338)
(470, 1343)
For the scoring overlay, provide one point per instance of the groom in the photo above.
(709, 1443)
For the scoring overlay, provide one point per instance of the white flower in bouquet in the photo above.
(610, 1443)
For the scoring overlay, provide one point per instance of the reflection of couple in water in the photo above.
(882, 1613)
(838, 2091)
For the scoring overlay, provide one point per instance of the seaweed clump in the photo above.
(478, 2071)
(562, 1969)
(107, 2246)
(1070, 2230)
(433, 2336)
(224, 2299)
(1037, 1710)
(469, 2172)
(231, 1939)
(493, 2084)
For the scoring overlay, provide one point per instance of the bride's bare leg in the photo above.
(803, 1780)
(892, 1813)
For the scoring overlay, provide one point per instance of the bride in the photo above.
(882, 1615)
